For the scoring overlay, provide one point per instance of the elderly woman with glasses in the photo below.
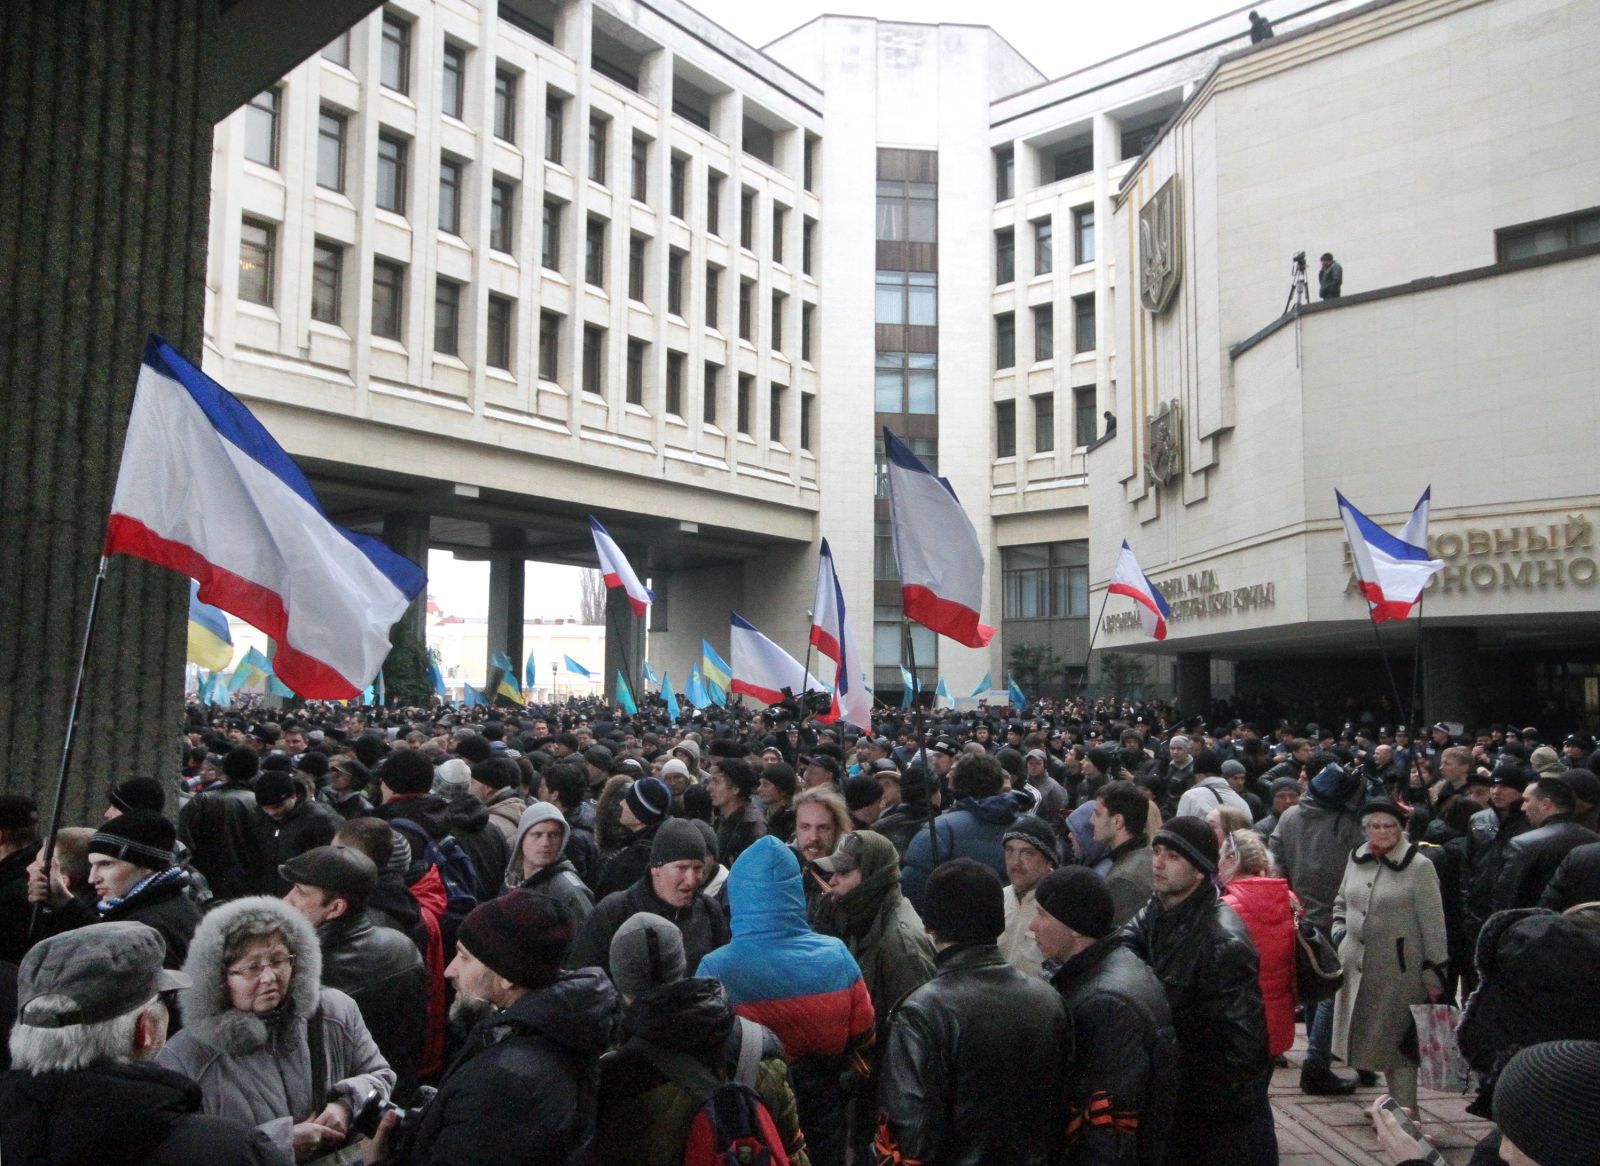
(1388, 920)
(266, 1043)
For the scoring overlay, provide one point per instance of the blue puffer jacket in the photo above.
(972, 829)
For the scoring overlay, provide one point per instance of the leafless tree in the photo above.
(593, 609)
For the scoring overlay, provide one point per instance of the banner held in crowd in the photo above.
(762, 669)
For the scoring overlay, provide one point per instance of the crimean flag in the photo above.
(941, 696)
(205, 490)
(616, 569)
(471, 696)
(650, 676)
(210, 642)
(1127, 579)
(695, 690)
(717, 671)
(1391, 571)
(436, 678)
(825, 608)
(936, 547)
(762, 669)
(832, 635)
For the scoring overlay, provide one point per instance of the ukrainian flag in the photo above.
(503, 685)
(717, 672)
(210, 644)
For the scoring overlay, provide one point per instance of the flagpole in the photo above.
(922, 747)
(805, 669)
(1394, 689)
(1094, 631)
(1405, 717)
(66, 745)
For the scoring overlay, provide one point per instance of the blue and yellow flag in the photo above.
(717, 671)
(502, 678)
(252, 671)
(210, 643)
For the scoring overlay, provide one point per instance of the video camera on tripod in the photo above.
(810, 703)
(1299, 294)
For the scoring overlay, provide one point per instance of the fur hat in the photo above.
(208, 1014)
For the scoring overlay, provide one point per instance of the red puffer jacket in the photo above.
(1267, 907)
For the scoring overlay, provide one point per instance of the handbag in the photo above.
(1318, 973)
(1440, 1063)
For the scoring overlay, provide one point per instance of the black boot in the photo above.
(1366, 1078)
(1322, 1081)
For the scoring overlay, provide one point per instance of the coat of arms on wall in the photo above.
(1160, 247)
(1163, 444)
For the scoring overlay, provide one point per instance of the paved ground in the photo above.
(1336, 1131)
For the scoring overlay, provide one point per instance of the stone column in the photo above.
(106, 153)
(624, 640)
(1194, 683)
(507, 579)
(406, 532)
(1449, 662)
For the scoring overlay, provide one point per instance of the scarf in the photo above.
(160, 879)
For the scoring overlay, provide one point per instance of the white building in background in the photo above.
(487, 267)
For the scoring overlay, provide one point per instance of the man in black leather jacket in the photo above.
(1120, 1090)
(230, 843)
(979, 1055)
(1203, 955)
(378, 967)
(1532, 859)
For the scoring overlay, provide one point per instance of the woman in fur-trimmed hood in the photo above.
(257, 971)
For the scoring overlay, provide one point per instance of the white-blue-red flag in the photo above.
(762, 669)
(1129, 580)
(205, 490)
(833, 638)
(825, 608)
(616, 569)
(936, 545)
(1390, 571)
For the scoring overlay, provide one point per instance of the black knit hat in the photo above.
(678, 839)
(1190, 837)
(1036, 832)
(1546, 1102)
(142, 838)
(861, 791)
(964, 902)
(1078, 897)
(649, 799)
(137, 793)
(522, 935)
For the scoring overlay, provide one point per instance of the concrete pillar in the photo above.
(104, 210)
(507, 578)
(1194, 683)
(1449, 661)
(625, 638)
(406, 532)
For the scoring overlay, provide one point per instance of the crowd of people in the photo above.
(1064, 936)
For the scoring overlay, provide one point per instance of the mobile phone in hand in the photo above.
(1427, 1152)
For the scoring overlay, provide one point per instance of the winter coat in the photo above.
(701, 923)
(15, 910)
(1130, 879)
(1209, 793)
(429, 895)
(382, 971)
(506, 807)
(977, 1061)
(1577, 879)
(120, 1115)
(582, 851)
(1389, 921)
(485, 845)
(973, 829)
(1488, 842)
(257, 1069)
(162, 903)
(1311, 845)
(231, 846)
(1201, 952)
(309, 825)
(1267, 907)
(560, 879)
(627, 866)
(1532, 860)
(523, 1090)
(349, 804)
(1120, 1089)
(899, 824)
(735, 832)
(644, 1116)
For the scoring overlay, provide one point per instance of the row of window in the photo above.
(1084, 422)
(1005, 245)
(1071, 157)
(1045, 580)
(1044, 332)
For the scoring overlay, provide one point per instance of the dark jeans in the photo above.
(1263, 1136)
(1319, 1035)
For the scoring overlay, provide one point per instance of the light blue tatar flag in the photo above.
(576, 668)
(671, 698)
(695, 691)
(1014, 693)
(983, 688)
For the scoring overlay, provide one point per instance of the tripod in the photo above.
(1299, 296)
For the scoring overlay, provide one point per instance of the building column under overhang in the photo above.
(1194, 683)
(507, 580)
(406, 532)
(624, 635)
(1449, 663)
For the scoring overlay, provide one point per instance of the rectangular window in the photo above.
(807, 239)
(597, 149)
(549, 346)
(779, 218)
(808, 164)
(1045, 580)
(714, 204)
(1083, 339)
(1074, 160)
(388, 297)
(747, 220)
(1005, 340)
(906, 382)
(392, 173)
(636, 352)
(1044, 332)
(453, 82)
(776, 338)
(394, 71)
(636, 268)
(674, 401)
(331, 127)
(505, 106)
(1083, 234)
(450, 196)
(747, 309)
(338, 49)
(807, 406)
(1044, 247)
(554, 114)
(327, 282)
(1005, 256)
(1085, 422)
(1547, 236)
(808, 318)
(907, 297)
(261, 127)
(447, 317)
(500, 327)
(257, 241)
(503, 215)
(641, 168)
(676, 261)
(678, 186)
(907, 211)
(594, 346)
(1044, 423)
(594, 253)
(1005, 174)
(742, 411)
(708, 398)
(713, 295)
(550, 236)
(1005, 429)
(775, 396)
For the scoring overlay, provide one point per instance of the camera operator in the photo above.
(1330, 277)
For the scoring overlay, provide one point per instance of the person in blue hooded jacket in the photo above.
(973, 828)
(805, 987)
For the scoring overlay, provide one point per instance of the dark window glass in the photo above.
(779, 217)
(1044, 247)
(1074, 160)
(331, 126)
(499, 329)
(636, 352)
(554, 110)
(776, 339)
(636, 268)
(338, 49)
(1044, 423)
(807, 239)
(714, 204)
(1005, 256)
(1085, 420)
(678, 195)
(1083, 339)
(594, 255)
(392, 174)
(775, 396)
(597, 149)
(503, 215)
(594, 344)
(549, 346)
(394, 70)
(388, 298)
(742, 412)
(505, 106)
(550, 236)
(641, 168)
(1045, 580)
(257, 240)
(453, 82)
(747, 220)
(450, 196)
(747, 295)
(676, 261)
(327, 280)
(447, 317)
(1005, 429)
(1005, 341)
(674, 400)
(807, 404)
(808, 318)
(713, 295)
(1005, 174)
(1083, 233)
(708, 398)
(1044, 332)
(261, 128)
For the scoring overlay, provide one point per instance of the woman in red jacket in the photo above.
(1268, 909)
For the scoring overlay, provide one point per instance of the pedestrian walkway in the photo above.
(1337, 1131)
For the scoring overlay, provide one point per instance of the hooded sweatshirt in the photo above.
(560, 879)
